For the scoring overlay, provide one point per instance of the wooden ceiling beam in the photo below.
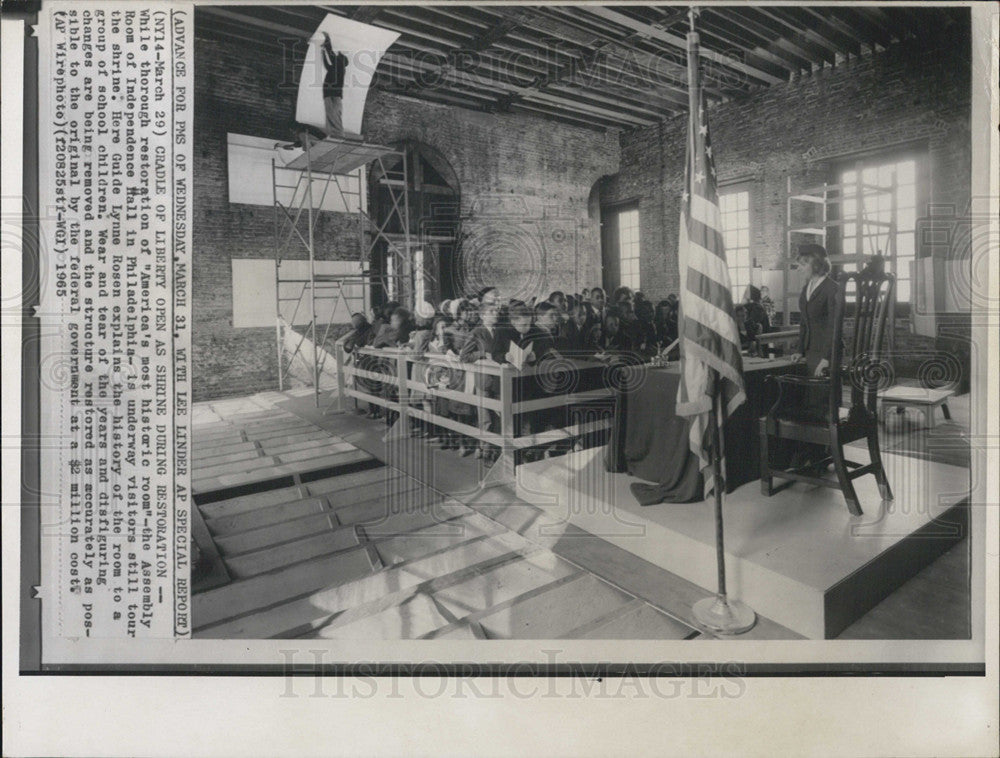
(887, 32)
(583, 62)
(679, 42)
(393, 18)
(868, 32)
(366, 14)
(814, 26)
(572, 103)
(480, 36)
(593, 66)
(780, 61)
(720, 37)
(913, 20)
(643, 85)
(802, 51)
(241, 18)
(726, 26)
(848, 39)
(797, 59)
(642, 55)
(224, 33)
(586, 102)
(821, 50)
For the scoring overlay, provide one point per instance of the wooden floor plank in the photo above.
(211, 454)
(299, 442)
(250, 521)
(667, 592)
(423, 517)
(458, 632)
(296, 616)
(554, 611)
(311, 451)
(203, 462)
(640, 621)
(252, 463)
(413, 618)
(358, 487)
(414, 545)
(227, 481)
(379, 507)
(201, 473)
(279, 556)
(454, 567)
(276, 587)
(253, 501)
(219, 446)
(274, 534)
(503, 583)
(384, 476)
(212, 570)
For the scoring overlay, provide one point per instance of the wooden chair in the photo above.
(861, 364)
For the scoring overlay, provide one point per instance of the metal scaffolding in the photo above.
(816, 203)
(301, 188)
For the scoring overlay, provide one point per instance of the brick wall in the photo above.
(529, 217)
(907, 95)
(801, 129)
(524, 183)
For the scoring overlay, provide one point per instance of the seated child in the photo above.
(491, 342)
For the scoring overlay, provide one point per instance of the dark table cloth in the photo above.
(650, 441)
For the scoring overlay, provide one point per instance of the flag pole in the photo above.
(719, 614)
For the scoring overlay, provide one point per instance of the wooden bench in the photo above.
(926, 400)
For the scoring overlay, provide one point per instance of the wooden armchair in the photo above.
(861, 364)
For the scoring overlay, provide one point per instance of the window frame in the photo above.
(738, 288)
(612, 260)
(897, 263)
(629, 273)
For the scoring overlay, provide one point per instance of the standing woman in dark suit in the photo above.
(817, 309)
(817, 306)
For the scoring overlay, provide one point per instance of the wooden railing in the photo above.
(400, 371)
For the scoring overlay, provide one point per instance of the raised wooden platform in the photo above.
(797, 557)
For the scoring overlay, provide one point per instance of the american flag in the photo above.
(709, 337)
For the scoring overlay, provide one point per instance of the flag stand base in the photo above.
(722, 615)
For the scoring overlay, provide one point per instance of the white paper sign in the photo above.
(364, 45)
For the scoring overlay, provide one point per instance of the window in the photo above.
(876, 196)
(628, 247)
(418, 272)
(390, 276)
(735, 208)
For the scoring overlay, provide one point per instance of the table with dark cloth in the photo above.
(650, 441)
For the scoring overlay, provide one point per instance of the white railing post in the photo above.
(401, 429)
(341, 356)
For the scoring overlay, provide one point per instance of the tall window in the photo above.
(419, 274)
(735, 207)
(390, 276)
(876, 200)
(628, 247)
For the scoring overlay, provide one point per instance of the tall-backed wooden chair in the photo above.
(862, 365)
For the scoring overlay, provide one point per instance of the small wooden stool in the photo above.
(915, 397)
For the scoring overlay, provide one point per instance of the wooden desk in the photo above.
(650, 441)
